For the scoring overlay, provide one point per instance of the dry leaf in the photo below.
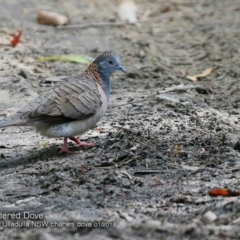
(51, 18)
(166, 9)
(127, 10)
(16, 38)
(223, 192)
(177, 149)
(192, 78)
(71, 58)
(205, 73)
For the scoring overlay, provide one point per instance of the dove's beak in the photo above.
(120, 68)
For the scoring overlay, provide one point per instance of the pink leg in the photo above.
(81, 144)
(64, 148)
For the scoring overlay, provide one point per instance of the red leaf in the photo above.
(223, 192)
(16, 39)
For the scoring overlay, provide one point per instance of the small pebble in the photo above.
(209, 217)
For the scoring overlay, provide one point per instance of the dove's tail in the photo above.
(14, 120)
(3, 123)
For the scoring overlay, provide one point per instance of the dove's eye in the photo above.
(110, 62)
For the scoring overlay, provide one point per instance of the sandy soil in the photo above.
(156, 160)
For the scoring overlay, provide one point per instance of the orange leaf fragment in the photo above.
(16, 38)
(223, 192)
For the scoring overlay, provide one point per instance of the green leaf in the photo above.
(71, 58)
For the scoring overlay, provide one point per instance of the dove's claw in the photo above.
(65, 150)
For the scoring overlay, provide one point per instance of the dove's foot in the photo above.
(81, 144)
(64, 148)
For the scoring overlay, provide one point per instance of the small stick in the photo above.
(112, 24)
(180, 87)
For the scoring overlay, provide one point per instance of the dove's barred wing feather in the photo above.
(77, 99)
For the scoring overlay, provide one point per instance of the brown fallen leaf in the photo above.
(205, 73)
(166, 9)
(177, 149)
(51, 18)
(192, 78)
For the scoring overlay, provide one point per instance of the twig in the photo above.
(113, 106)
(194, 153)
(180, 87)
(113, 24)
(169, 16)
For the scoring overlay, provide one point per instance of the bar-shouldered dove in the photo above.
(71, 108)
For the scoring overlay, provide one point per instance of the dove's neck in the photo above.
(101, 76)
(106, 85)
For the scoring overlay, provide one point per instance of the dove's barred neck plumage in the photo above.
(72, 107)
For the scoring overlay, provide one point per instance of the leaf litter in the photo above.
(205, 73)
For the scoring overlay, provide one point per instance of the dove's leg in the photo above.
(64, 148)
(81, 144)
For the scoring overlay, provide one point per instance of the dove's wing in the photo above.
(74, 100)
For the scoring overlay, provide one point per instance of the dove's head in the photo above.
(108, 63)
(103, 67)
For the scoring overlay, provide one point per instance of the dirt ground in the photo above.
(156, 160)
